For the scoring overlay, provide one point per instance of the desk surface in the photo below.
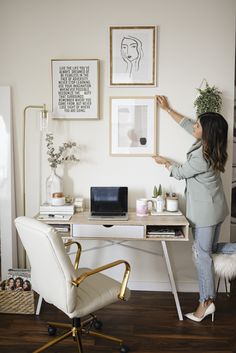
(166, 220)
(81, 220)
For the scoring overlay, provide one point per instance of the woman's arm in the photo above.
(163, 103)
(185, 123)
(192, 167)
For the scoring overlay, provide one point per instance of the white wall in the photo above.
(195, 41)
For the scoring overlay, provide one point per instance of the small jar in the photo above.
(172, 204)
(58, 199)
(79, 204)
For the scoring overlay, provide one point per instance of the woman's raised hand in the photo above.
(163, 102)
(159, 159)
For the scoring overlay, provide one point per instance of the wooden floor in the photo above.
(148, 323)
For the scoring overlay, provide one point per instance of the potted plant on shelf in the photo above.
(208, 99)
(67, 152)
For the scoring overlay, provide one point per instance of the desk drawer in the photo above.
(114, 231)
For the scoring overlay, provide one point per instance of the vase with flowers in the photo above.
(67, 152)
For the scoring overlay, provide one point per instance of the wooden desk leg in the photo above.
(171, 277)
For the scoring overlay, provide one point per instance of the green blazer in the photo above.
(205, 199)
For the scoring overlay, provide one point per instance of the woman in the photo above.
(206, 207)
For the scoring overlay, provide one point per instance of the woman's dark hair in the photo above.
(214, 139)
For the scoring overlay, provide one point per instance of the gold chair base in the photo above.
(76, 333)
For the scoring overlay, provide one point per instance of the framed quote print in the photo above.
(132, 56)
(132, 126)
(75, 88)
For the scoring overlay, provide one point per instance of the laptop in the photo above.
(109, 203)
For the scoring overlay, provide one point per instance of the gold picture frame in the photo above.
(75, 88)
(132, 126)
(132, 55)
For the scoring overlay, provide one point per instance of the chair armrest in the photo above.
(124, 282)
(78, 253)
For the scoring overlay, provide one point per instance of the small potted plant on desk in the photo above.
(159, 202)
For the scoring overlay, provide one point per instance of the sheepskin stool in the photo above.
(225, 268)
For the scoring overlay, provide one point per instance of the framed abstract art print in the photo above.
(132, 126)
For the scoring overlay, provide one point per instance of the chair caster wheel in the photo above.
(97, 324)
(52, 330)
(124, 349)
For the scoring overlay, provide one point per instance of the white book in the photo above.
(49, 208)
(54, 218)
(56, 212)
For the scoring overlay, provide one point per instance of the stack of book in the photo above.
(164, 232)
(54, 213)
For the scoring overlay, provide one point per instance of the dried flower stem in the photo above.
(64, 152)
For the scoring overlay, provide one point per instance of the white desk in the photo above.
(135, 228)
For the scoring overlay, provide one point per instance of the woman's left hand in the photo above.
(161, 160)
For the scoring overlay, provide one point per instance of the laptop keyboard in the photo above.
(109, 214)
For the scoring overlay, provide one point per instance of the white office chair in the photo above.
(76, 292)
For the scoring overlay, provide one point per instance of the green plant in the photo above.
(159, 192)
(156, 192)
(208, 100)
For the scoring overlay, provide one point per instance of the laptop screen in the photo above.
(109, 200)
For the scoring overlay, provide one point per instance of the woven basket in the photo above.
(17, 302)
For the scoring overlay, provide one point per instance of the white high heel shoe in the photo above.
(209, 311)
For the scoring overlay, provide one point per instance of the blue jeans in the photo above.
(206, 243)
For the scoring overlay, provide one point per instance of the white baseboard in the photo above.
(187, 287)
(163, 286)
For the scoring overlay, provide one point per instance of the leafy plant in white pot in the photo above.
(208, 99)
(67, 152)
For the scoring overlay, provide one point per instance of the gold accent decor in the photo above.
(76, 333)
(80, 279)
(78, 253)
(121, 295)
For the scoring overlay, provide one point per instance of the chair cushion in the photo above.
(96, 292)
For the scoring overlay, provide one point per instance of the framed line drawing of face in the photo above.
(75, 88)
(132, 126)
(133, 56)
